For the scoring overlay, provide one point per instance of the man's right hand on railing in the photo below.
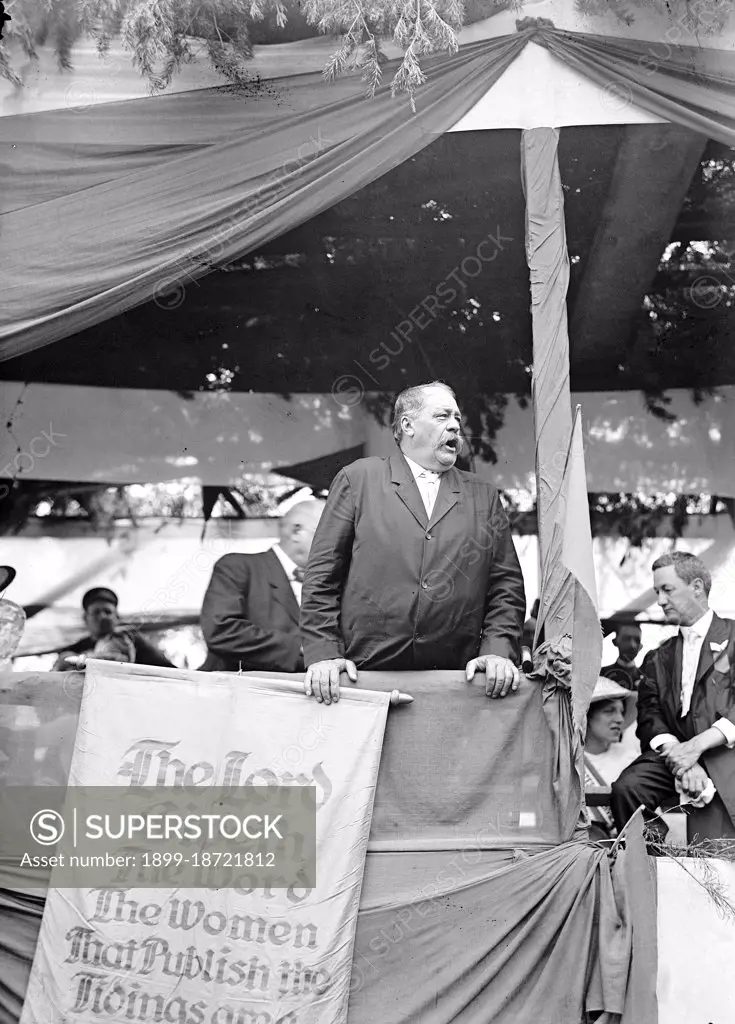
(322, 679)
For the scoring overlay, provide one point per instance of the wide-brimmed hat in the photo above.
(606, 689)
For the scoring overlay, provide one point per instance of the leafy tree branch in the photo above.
(161, 36)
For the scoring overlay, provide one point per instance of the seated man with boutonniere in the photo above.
(686, 711)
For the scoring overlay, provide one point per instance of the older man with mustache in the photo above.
(413, 565)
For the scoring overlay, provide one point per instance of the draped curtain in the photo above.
(109, 208)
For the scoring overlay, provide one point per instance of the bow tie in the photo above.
(298, 575)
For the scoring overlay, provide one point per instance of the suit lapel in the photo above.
(281, 586)
(446, 499)
(408, 490)
(718, 633)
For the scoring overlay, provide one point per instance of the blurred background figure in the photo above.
(12, 618)
(36, 743)
(108, 638)
(624, 670)
(610, 746)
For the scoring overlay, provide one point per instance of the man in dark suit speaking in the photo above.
(686, 710)
(413, 565)
(250, 614)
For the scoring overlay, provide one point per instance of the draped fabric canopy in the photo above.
(106, 212)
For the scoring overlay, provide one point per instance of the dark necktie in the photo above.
(298, 575)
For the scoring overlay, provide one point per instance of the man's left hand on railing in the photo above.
(501, 675)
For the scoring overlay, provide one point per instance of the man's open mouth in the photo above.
(452, 443)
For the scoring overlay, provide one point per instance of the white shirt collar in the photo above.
(286, 561)
(420, 471)
(701, 627)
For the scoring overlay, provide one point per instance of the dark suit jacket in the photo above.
(625, 675)
(388, 589)
(250, 617)
(713, 697)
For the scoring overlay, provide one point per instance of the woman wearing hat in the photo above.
(610, 745)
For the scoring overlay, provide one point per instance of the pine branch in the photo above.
(402, 32)
(372, 73)
(156, 33)
(68, 29)
(445, 38)
(7, 72)
(107, 23)
(408, 78)
(342, 60)
(21, 32)
(229, 61)
(148, 35)
(701, 853)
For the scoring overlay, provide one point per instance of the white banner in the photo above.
(222, 956)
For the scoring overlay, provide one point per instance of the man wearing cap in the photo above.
(107, 638)
(624, 671)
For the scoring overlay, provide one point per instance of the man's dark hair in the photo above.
(410, 402)
(627, 625)
(686, 566)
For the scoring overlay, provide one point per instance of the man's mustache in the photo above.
(459, 438)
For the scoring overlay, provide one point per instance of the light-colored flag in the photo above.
(568, 609)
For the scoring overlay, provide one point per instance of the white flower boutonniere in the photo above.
(722, 662)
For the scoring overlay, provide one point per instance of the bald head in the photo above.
(297, 529)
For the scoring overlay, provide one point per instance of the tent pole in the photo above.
(548, 264)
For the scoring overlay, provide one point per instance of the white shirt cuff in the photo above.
(728, 731)
(705, 797)
(661, 740)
